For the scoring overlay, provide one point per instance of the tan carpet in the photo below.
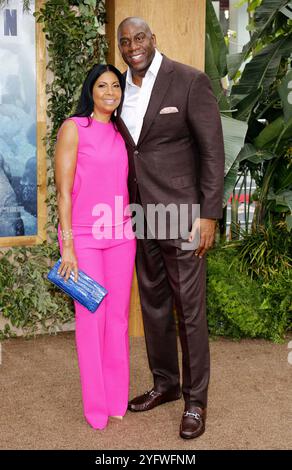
(250, 404)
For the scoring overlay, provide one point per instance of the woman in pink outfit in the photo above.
(95, 235)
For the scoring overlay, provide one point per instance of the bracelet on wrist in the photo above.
(67, 234)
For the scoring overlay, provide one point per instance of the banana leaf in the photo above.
(212, 72)
(266, 13)
(270, 133)
(285, 92)
(250, 153)
(262, 70)
(282, 176)
(289, 222)
(234, 62)
(287, 131)
(245, 106)
(216, 38)
(282, 200)
(215, 56)
(234, 133)
(229, 182)
(264, 17)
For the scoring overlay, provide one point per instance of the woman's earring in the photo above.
(91, 115)
(115, 112)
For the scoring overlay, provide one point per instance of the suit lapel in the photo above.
(161, 85)
(125, 132)
(122, 126)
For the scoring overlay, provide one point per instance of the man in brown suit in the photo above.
(172, 128)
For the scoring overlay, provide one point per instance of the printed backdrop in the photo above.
(18, 158)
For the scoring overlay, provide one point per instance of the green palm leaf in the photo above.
(262, 70)
(250, 153)
(264, 17)
(213, 74)
(285, 92)
(216, 38)
(234, 132)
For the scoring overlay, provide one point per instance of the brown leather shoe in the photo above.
(152, 399)
(193, 422)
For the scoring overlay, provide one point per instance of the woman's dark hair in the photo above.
(85, 105)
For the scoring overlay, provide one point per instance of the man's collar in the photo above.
(155, 64)
(153, 69)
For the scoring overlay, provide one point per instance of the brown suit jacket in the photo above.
(179, 157)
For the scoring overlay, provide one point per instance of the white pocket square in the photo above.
(170, 109)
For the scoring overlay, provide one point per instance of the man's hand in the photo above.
(207, 229)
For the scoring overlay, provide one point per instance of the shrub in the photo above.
(239, 306)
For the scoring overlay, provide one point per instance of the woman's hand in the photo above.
(69, 263)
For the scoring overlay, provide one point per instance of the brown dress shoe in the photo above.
(152, 399)
(193, 422)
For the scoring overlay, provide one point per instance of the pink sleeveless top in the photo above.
(100, 192)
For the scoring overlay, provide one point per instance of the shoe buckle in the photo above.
(197, 416)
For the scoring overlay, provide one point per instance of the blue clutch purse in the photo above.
(86, 290)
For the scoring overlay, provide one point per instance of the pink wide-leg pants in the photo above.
(102, 337)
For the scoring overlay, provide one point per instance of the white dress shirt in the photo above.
(136, 99)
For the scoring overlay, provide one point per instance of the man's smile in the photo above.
(136, 57)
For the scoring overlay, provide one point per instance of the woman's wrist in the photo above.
(67, 234)
(68, 244)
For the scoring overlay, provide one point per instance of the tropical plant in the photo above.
(261, 97)
(241, 307)
(27, 299)
(266, 252)
(252, 293)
